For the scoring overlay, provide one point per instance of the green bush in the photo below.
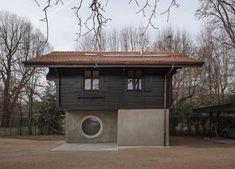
(51, 116)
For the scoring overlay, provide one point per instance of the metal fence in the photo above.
(199, 125)
(19, 126)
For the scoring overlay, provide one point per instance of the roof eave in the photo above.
(114, 65)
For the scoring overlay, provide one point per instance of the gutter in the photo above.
(178, 65)
(165, 101)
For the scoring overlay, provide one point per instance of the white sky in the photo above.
(63, 23)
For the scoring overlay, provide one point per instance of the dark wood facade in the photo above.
(113, 93)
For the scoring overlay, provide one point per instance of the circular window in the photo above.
(91, 126)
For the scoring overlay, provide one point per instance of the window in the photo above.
(134, 80)
(91, 126)
(92, 80)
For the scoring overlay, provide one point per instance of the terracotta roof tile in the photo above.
(54, 59)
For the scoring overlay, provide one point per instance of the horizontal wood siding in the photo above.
(113, 93)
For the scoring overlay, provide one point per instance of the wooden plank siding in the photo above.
(113, 93)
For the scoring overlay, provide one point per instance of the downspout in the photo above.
(165, 101)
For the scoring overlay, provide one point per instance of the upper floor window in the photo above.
(91, 80)
(134, 80)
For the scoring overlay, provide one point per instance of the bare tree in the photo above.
(217, 72)
(221, 15)
(32, 92)
(187, 80)
(207, 85)
(88, 43)
(127, 39)
(113, 41)
(97, 18)
(17, 44)
(35, 85)
(133, 39)
(218, 65)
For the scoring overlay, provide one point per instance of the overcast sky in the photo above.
(63, 23)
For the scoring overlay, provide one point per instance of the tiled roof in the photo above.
(67, 59)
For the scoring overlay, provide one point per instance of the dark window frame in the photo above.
(135, 77)
(92, 78)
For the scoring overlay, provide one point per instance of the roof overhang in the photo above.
(110, 65)
(228, 107)
(113, 59)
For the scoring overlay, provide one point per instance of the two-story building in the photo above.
(115, 97)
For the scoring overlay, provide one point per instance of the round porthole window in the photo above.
(91, 126)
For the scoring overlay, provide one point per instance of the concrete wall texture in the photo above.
(73, 133)
(127, 127)
(142, 127)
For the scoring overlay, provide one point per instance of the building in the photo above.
(217, 118)
(114, 97)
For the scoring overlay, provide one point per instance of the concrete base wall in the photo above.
(142, 127)
(73, 133)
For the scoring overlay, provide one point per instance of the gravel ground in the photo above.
(185, 153)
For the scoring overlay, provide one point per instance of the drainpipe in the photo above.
(165, 101)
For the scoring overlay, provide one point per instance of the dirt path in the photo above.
(185, 153)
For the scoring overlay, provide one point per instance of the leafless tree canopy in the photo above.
(97, 19)
(127, 39)
(18, 42)
(221, 15)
